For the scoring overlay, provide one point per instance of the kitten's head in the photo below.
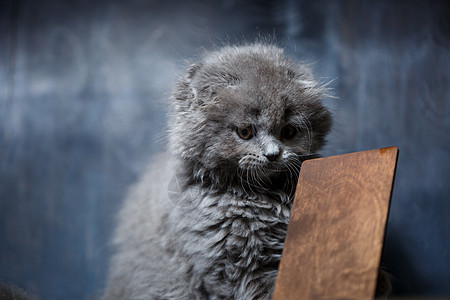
(248, 114)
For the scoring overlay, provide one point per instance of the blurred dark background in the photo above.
(83, 91)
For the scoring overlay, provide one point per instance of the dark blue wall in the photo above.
(83, 86)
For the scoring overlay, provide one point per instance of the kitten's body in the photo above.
(208, 220)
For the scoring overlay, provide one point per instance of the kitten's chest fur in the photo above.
(230, 238)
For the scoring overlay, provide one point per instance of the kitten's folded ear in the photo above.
(190, 75)
(193, 70)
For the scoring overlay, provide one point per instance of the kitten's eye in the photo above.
(288, 132)
(245, 133)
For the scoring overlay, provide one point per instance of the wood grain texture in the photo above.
(336, 232)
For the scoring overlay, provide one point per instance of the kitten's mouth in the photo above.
(271, 177)
(267, 171)
(255, 170)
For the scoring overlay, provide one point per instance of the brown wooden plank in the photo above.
(336, 232)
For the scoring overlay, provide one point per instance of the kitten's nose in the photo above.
(273, 155)
(272, 151)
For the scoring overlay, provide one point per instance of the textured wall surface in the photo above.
(83, 86)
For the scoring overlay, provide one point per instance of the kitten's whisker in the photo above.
(309, 131)
(242, 180)
(254, 177)
(246, 181)
(303, 119)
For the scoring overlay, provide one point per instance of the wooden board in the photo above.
(336, 231)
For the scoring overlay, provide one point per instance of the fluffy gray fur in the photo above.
(209, 218)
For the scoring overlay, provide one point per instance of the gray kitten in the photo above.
(208, 219)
